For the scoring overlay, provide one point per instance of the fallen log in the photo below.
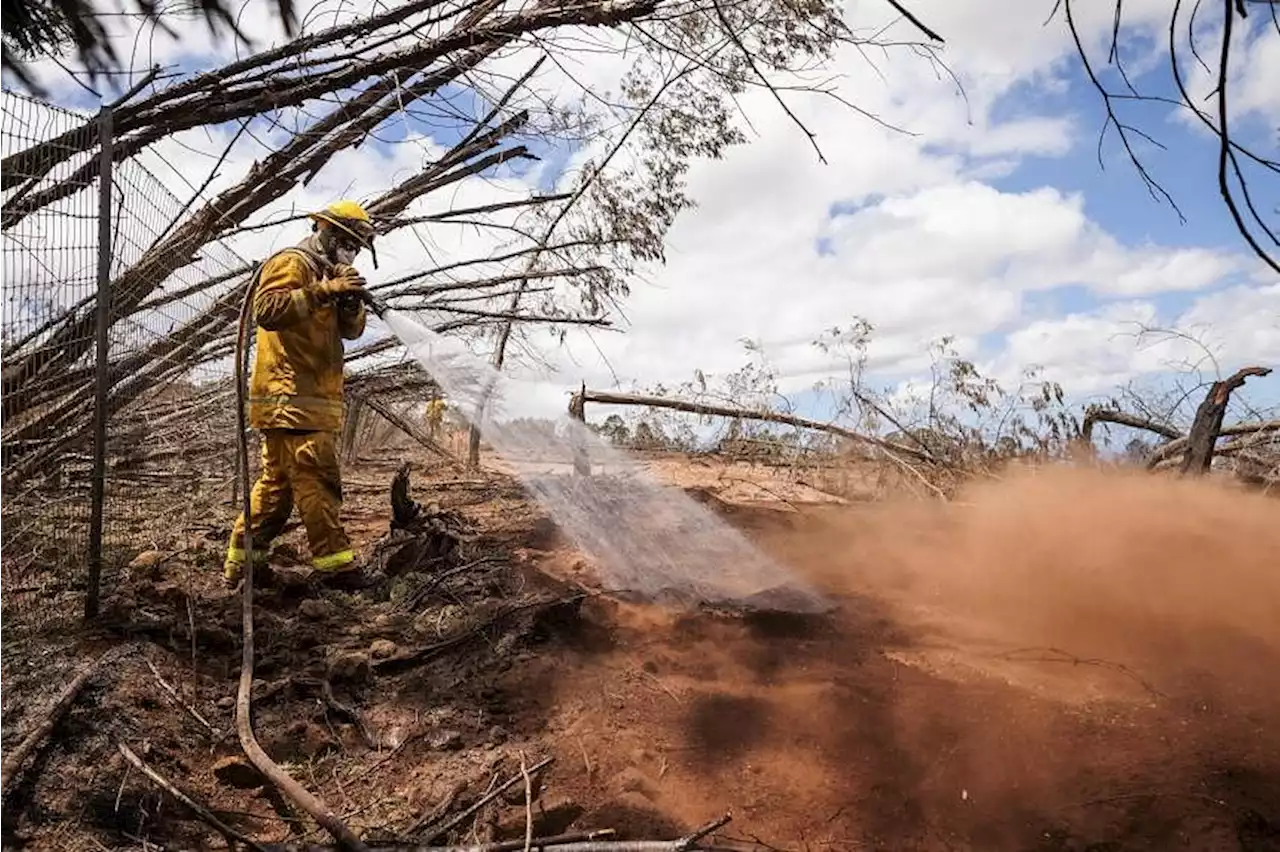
(1164, 452)
(49, 719)
(608, 398)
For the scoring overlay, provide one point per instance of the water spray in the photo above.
(649, 541)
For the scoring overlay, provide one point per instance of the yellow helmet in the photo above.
(352, 219)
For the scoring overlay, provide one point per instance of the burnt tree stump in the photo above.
(578, 412)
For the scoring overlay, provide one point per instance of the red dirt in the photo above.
(1064, 660)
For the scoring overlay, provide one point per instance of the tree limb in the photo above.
(609, 398)
(1096, 414)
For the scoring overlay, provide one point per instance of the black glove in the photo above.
(344, 283)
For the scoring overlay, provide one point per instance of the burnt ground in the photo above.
(894, 724)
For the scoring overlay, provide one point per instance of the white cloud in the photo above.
(1243, 323)
(1088, 353)
(1097, 352)
(950, 259)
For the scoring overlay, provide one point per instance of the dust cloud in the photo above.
(1177, 573)
(1059, 659)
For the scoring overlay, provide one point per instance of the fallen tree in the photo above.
(1197, 446)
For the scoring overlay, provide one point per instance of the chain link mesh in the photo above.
(169, 464)
(50, 276)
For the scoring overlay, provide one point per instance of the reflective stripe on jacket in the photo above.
(297, 372)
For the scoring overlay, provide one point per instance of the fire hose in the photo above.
(303, 798)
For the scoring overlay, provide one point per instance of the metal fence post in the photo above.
(101, 363)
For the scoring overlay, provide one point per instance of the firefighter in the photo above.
(308, 300)
(435, 417)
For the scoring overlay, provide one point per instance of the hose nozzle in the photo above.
(373, 303)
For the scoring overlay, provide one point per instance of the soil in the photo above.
(1062, 660)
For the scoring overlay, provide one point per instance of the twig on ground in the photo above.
(576, 842)
(586, 760)
(1131, 797)
(347, 711)
(191, 627)
(760, 487)
(661, 685)
(377, 764)
(528, 804)
(231, 834)
(437, 813)
(146, 844)
(419, 656)
(173, 693)
(691, 840)
(415, 599)
(124, 779)
(480, 803)
(49, 719)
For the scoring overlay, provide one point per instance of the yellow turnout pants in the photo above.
(297, 468)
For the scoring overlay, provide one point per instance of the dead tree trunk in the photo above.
(1208, 423)
(351, 428)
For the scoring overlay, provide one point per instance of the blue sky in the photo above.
(1115, 195)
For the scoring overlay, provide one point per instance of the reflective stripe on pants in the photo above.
(236, 555)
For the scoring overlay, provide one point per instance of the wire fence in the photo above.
(150, 356)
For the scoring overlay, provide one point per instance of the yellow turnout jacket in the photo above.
(297, 375)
